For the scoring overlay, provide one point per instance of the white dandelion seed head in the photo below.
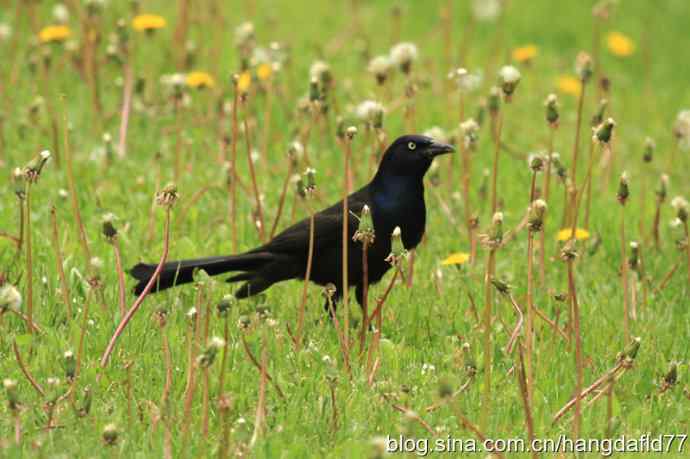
(10, 297)
(216, 342)
(509, 74)
(539, 204)
(318, 69)
(403, 53)
(380, 65)
(681, 129)
(45, 155)
(486, 10)
(679, 203)
(5, 31)
(469, 126)
(244, 32)
(60, 13)
(437, 134)
(96, 262)
(369, 110)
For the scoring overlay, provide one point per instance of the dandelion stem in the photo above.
(624, 277)
(365, 294)
(579, 363)
(29, 261)
(137, 304)
(307, 277)
(64, 286)
(488, 350)
(252, 173)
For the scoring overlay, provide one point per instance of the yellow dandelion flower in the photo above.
(53, 33)
(200, 80)
(525, 53)
(581, 234)
(244, 82)
(458, 258)
(619, 44)
(148, 22)
(569, 85)
(264, 71)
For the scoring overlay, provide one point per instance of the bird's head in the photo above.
(411, 155)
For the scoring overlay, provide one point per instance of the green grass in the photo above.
(422, 326)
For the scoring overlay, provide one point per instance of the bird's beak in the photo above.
(438, 148)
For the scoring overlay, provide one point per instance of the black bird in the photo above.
(396, 198)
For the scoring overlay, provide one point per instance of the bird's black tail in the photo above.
(181, 271)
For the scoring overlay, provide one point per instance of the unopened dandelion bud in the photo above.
(310, 179)
(662, 189)
(340, 127)
(494, 100)
(583, 66)
(398, 251)
(108, 229)
(10, 386)
(350, 132)
(634, 259)
(536, 162)
(649, 147)
(470, 364)
(681, 205)
(244, 322)
(365, 230)
(225, 304)
(70, 364)
(85, 407)
(314, 93)
(509, 78)
(110, 434)
(19, 183)
(598, 116)
(167, 196)
(191, 315)
(300, 187)
(623, 189)
(568, 252)
(501, 286)
(535, 220)
(208, 356)
(329, 290)
(671, 376)
(470, 131)
(32, 170)
(631, 350)
(552, 115)
(496, 232)
(604, 131)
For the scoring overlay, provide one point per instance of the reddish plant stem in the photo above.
(137, 304)
(305, 289)
(252, 173)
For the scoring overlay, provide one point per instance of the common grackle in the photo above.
(396, 198)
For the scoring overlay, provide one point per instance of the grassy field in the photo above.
(66, 95)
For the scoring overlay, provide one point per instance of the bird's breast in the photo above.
(399, 203)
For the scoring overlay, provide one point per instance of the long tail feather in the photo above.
(182, 271)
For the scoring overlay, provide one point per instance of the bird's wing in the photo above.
(328, 227)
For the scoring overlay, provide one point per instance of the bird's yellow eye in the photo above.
(411, 145)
